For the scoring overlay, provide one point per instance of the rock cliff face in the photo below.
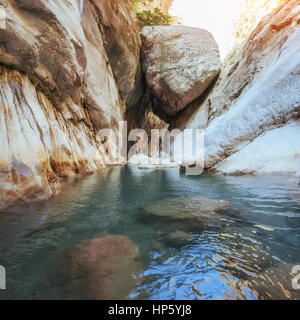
(122, 42)
(38, 144)
(254, 11)
(63, 73)
(60, 61)
(257, 91)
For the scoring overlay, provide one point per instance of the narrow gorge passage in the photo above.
(149, 150)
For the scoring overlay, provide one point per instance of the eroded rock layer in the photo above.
(38, 145)
(257, 91)
(68, 70)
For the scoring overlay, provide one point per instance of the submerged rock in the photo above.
(179, 63)
(99, 269)
(178, 238)
(187, 209)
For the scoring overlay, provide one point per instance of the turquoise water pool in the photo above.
(244, 253)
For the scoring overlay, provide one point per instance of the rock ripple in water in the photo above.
(100, 269)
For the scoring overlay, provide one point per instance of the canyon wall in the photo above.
(68, 69)
(255, 98)
(254, 11)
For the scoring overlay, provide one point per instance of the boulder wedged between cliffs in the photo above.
(179, 64)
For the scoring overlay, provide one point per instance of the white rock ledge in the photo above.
(144, 162)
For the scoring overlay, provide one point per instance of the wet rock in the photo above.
(187, 209)
(178, 238)
(156, 245)
(39, 146)
(179, 63)
(100, 269)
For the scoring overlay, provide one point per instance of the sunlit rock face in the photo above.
(39, 146)
(253, 12)
(257, 91)
(100, 269)
(59, 86)
(276, 150)
(179, 64)
(57, 49)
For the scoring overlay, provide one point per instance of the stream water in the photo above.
(245, 253)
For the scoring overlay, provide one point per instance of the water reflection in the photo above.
(244, 253)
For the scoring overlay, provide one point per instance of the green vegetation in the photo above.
(154, 18)
(151, 17)
(134, 4)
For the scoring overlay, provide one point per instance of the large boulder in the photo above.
(100, 269)
(179, 64)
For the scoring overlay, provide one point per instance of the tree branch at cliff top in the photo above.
(151, 16)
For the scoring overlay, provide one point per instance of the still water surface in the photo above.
(245, 253)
